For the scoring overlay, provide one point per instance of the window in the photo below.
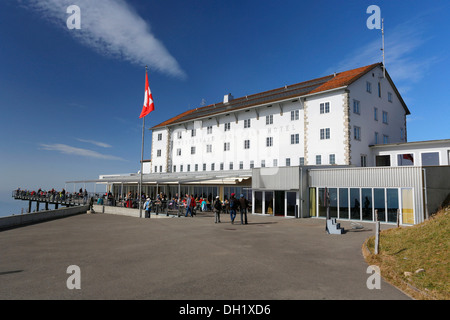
(269, 141)
(193, 133)
(288, 162)
(275, 162)
(156, 168)
(390, 96)
(204, 167)
(375, 114)
(376, 137)
(383, 161)
(181, 168)
(332, 159)
(196, 167)
(269, 119)
(325, 107)
(324, 133)
(263, 163)
(252, 164)
(247, 123)
(241, 165)
(188, 167)
(192, 150)
(385, 139)
(227, 126)
(356, 106)
(385, 117)
(246, 144)
(406, 159)
(226, 146)
(160, 168)
(369, 87)
(179, 134)
(231, 165)
(213, 166)
(295, 138)
(221, 166)
(158, 153)
(318, 159)
(363, 160)
(208, 148)
(209, 130)
(178, 152)
(357, 133)
(302, 161)
(379, 89)
(174, 168)
(294, 115)
(430, 159)
(159, 136)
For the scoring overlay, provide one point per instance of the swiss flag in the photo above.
(149, 106)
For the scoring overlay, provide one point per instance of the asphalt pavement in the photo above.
(118, 257)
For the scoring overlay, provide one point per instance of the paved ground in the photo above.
(186, 258)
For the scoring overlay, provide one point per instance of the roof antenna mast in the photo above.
(382, 48)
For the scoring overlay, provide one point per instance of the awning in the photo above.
(175, 178)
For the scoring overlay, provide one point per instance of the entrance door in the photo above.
(279, 203)
(291, 201)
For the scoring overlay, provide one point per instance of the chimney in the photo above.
(227, 98)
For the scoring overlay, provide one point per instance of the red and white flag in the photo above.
(149, 106)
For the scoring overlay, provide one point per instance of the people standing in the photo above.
(217, 207)
(243, 205)
(234, 205)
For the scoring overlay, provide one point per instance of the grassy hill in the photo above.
(416, 259)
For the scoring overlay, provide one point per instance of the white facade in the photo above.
(325, 127)
(420, 153)
(381, 116)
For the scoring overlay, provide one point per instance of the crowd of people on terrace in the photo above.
(53, 195)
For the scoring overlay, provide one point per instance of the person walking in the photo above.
(243, 205)
(147, 207)
(217, 207)
(234, 205)
(188, 206)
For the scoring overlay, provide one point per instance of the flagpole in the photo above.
(142, 163)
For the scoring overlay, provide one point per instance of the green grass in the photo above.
(408, 249)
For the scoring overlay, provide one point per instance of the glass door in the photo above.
(291, 204)
(407, 206)
(268, 202)
(280, 203)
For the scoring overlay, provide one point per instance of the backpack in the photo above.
(232, 203)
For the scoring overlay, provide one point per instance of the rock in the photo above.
(420, 270)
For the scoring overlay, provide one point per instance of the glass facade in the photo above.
(363, 204)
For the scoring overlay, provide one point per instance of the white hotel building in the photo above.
(326, 121)
(342, 135)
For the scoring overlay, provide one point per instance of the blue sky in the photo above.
(70, 99)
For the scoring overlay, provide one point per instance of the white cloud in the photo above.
(97, 143)
(65, 149)
(401, 45)
(113, 28)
